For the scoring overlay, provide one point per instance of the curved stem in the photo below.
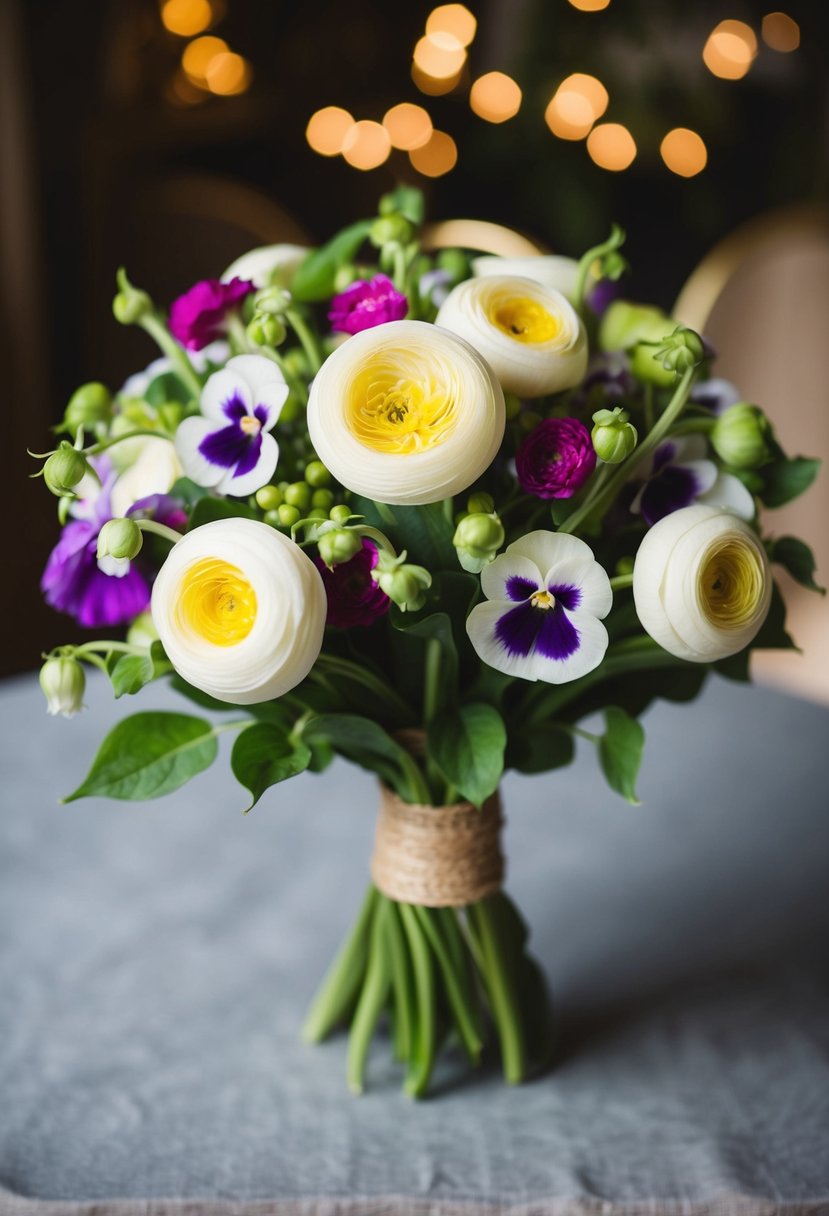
(104, 444)
(615, 239)
(360, 675)
(151, 525)
(153, 325)
(104, 644)
(308, 339)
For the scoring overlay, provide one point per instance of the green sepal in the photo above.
(406, 201)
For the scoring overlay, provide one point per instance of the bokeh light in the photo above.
(684, 152)
(327, 129)
(228, 74)
(611, 146)
(495, 97)
(434, 86)
(576, 104)
(439, 55)
(366, 144)
(588, 87)
(454, 19)
(408, 125)
(730, 50)
(590, 6)
(437, 156)
(186, 17)
(781, 32)
(197, 55)
(182, 92)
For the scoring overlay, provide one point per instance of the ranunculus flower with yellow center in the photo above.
(406, 413)
(530, 334)
(240, 611)
(701, 584)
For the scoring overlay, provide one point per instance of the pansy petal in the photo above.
(252, 480)
(592, 644)
(190, 435)
(497, 578)
(266, 382)
(546, 548)
(688, 448)
(675, 487)
(705, 471)
(482, 626)
(596, 596)
(222, 387)
(729, 492)
(270, 399)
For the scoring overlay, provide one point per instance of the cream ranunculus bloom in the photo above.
(702, 584)
(548, 269)
(530, 334)
(406, 413)
(240, 611)
(267, 266)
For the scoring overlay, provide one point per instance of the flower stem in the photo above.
(153, 325)
(499, 978)
(423, 1053)
(585, 263)
(151, 525)
(339, 988)
(308, 339)
(372, 999)
(392, 700)
(458, 999)
(402, 984)
(431, 706)
(104, 444)
(621, 581)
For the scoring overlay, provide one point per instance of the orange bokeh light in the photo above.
(182, 92)
(611, 146)
(495, 97)
(730, 50)
(439, 55)
(327, 129)
(684, 152)
(569, 115)
(228, 74)
(590, 6)
(454, 19)
(781, 32)
(437, 156)
(409, 126)
(197, 55)
(366, 145)
(588, 87)
(186, 17)
(431, 85)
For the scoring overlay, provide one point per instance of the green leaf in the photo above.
(468, 748)
(314, 279)
(539, 748)
(786, 479)
(202, 699)
(424, 532)
(188, 492)
(167, 387)
(264, 755)
(773, 634)
(129, 673)
(796, 557)
(208, 509)
(620, 752)
(406, 201)
(364, 742)
(148, 755)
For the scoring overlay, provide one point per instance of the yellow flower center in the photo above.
(525, 320)
(390, 411)
(732, 585)
(217, 602)
(543, 599)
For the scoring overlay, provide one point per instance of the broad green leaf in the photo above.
(207, 510)
(314, 279)
(620, 752)
(787, 479)
(539, 748)
(424, 532)
(468, 747)
(264, 755)
(202, 699)
(148, 755)
(364, 742)
(735, 667)
(773, 634)
(130, 672)
(796, 557)
(167, 387)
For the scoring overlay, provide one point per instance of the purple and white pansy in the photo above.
(228, 447)
(681, 474)
(546, 596)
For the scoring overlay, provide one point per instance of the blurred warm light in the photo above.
(181, 92)
(366, 144)
(327, 129)
(186, 17)
(197, 55)
(684, 152)
(611, 146)
(439, 55)
(409, 126)
(228, 73)
(590, 6)
(569, 115)
(588, 87)
(730, 49)
(454, 19)
(495, 97)
(781, 32)
(437, 156)
(431, 85)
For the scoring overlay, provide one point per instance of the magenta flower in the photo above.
(556, 459)
(198, 317)
(366, 304)
(353, 596)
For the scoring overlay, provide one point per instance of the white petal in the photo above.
(688, 448)
(222, 387)
(154, 472)
(546, 548)
(551, 270)
(509, 565)
(481, 624)
(704, 473)
(268, 264)
(591, 651)
(588, 576)
(729, 492)
(266, 382)
(258, 476)
(189, 436)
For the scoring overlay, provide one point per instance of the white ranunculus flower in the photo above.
(701, 583)
(240, 611)
(406, 413)
(530, 335)
(268, 266)
(548, 269)
(156, 468)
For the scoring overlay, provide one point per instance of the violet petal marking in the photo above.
(567, 595)
(261, 414)
(519, 588)
(558, 637)
(250, 456)
(234, 408)
(663, 455)
(226, 447)
(675, 487)
(517, 629)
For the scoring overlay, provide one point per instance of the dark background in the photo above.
(102, 167)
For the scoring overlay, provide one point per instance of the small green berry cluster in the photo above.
(312, 498)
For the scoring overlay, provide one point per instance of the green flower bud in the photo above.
(455, 262)
(388, 229)
(316, 474)
(64, 470)
(319, 513)
(624, 325)
(63, 682)
(89, 405)
(614, 437)
(614, 265)
(480, 504)
(272, 300)
(265, 329)
(130, 304)
(338, 546)
(299, 495)
(269, 498)
(288, 515)
(681, 350)
(478, 537)
(323, 499)
(739, 436)
(646, 369)
(340, 514)
(120, 538)
(405, 584)
(142, 632)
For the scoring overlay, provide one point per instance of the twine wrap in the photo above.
(437, 856)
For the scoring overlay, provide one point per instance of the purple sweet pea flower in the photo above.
(366, 304)
(681, 475)
(198, 317)
(353, 596)
(556, 459)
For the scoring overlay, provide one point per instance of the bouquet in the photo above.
(426, 512)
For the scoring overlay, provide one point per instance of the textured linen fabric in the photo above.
(156, 960)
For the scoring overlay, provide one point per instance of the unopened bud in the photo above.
(130, 304)
(624, 325)
(89, 405)
(63, 682)
(739, 436)
(614, 437)
(64, 470)
(478, 537)
(269, 498)
(272, 300)
(390, 229)
(681, 350)
(120, 538)
(480, 503)
(405, 584)
(339, 545)
(265, 329)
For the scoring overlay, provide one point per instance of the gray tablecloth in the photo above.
(156, 961)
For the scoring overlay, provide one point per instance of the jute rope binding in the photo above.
(437, 856)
